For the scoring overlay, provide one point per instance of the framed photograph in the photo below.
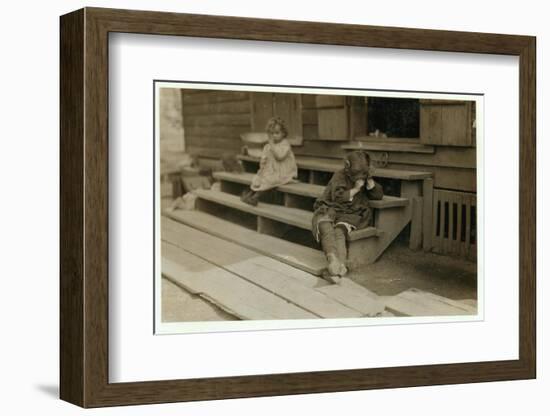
(255, 207)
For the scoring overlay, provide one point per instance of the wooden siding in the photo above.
(446, 123)
(213, 121)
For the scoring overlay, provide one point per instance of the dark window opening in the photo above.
(393, 117)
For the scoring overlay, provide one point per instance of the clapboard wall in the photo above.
(213, 121)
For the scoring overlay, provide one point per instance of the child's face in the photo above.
(276, 133)
(357, 167)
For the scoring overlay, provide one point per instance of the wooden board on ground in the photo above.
(178, 305)
(255, 268)
(236, 296)
(288, 282)
(356, 296)
(301, 257)
(415, 302)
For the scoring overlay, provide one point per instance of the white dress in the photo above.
(277, 166)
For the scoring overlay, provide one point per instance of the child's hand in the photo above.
(370, 183)
(359, 183)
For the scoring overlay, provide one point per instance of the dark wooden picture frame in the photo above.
(84, 207)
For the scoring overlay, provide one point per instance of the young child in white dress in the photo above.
(277, 163)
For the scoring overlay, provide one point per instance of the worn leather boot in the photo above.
(340, 237)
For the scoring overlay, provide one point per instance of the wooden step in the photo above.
(268, 274)
(306, 189)
(292, 216)
(301, 257)
(332, 165)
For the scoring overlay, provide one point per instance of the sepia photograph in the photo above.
(291, 204)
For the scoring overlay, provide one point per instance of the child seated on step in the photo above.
(344, 207)
(277, 163)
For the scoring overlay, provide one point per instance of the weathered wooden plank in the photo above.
(356, 296)
(214, 96)
(457, 221)
(301, 258)
(228, 107)
(289, 108)
(427, 213)
(332, 165)
(333, 124)
(296, 217)
(226, 290)
(436, 239)
(330, 101)
(442, 202)
(209, 155)
(458, 179)
(307, 189)
(414, 302)
(213, 142)
(448, 125)
(233, 132)
(450, 240)
(357, 117)
(443, 156)
(389, 147)
(310, 116)
(458, 241)
(217, 120)
(468, 242)
(431, 124)
(311, 261)
(308, 101)
(457, 125)
(346, 292)
(291, 216)
(179, 305)
(258, 269)
(415, 241)
(262, 109)
(311, 134)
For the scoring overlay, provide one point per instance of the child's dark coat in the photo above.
(335, 205)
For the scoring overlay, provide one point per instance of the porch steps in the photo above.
(305, 189)
(293, 216)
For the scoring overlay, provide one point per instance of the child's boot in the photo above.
(340, 236)
(247, 197)
(254, 198)
(334, 264)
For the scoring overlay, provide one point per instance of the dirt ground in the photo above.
(400, 269)
(397, 270)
